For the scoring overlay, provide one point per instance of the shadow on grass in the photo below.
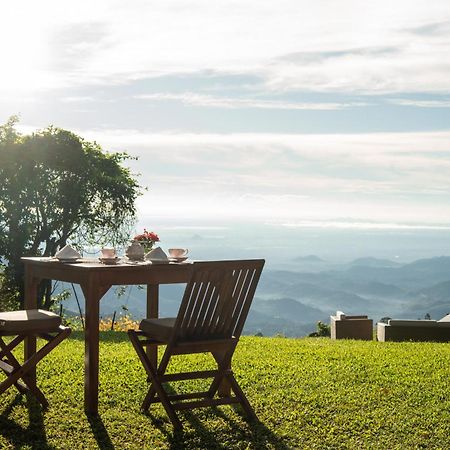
(34, 436)
(100, 434)
(254, 432)
(201, 437)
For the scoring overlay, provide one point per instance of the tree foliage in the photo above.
(56, 187)
(323, 330)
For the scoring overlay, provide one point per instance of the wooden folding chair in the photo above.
(19, 325)
(210, 319)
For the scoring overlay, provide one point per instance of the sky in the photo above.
(303, 112)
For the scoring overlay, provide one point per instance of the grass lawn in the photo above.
(308, 393)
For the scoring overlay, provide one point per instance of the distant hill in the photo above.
(439, 292)
(308, 258)
(433, 300)
(289, 309)
(413, 276)
(324, 298)
(375, 288)
(437, 266)
(374, 262)
(258, 322)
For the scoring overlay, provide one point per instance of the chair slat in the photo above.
(187, 304)
(208, 320)
(202, 306)
(246, 307)
(215, 299)
(200, 286)
(241, 309)
(225, 303)
(236, 303)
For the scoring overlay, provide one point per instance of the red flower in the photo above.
(147, 236)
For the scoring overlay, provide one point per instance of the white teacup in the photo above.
(108, 253)
(178, 252)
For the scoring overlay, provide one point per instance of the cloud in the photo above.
(77, 99)
(320, 56)
(421, 103)
(433, 29)
(363, 225)
(384, 177)
(292, 45)
(75, 44)
(190, 98)
(374, 174)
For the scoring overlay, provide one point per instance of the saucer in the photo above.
(67, 260)
(113, 260)
(178, 259)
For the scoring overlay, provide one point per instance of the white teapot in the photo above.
(135, 252)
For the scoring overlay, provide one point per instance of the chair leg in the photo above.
(225, 374)
(9, 364)
(23, 385)
(6, 364)
(160, 371)
(156, 386)
(7, 348)
(220, 383)
(149, 397)
(17, 371)
(242, 397)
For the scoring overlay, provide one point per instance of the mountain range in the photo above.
(290, 302)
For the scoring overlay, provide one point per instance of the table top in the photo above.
(124, 272)
(94, 263)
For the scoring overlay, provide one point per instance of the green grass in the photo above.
(308, 393)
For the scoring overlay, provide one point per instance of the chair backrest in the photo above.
(217, 299)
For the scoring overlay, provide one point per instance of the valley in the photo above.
(290, 302)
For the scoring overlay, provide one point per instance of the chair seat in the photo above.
(28, 321)
(159, 329)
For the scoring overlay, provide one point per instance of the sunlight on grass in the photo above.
(307, 393)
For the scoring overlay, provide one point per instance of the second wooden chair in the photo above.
(210, 319)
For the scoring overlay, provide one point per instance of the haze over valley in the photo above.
(299, 288)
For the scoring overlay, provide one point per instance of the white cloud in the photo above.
(381, 46)
(362, 225)
(421, 103)
(384, 177)
(79, 99)
(191, 98)
(376, 176)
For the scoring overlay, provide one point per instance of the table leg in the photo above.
(152, 313)
(92, 295)
(30, 302)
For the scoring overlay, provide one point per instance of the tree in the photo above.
(56, 187)
(323, 330)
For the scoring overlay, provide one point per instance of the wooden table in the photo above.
(95, 279)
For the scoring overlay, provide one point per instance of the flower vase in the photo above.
(148, 246)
